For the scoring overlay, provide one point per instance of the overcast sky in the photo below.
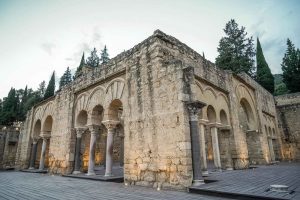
(37, 37)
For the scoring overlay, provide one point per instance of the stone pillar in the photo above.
(110, 125)
(194, 108)
(43, 153)
(79, 132)
(33, 153)
(203, 147)
(215, 144)
(121, 149)
(104, 153)
(271, 149)
(93, 129)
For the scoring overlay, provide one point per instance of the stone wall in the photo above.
(9, 137)
(288, 110)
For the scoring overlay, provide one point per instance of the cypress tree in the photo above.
(104, 56)
(236, 51)
(10, 108)
(79, 68)
(51, 87)
(263, 74)
(93, 60)
(66, 78)
(291, 67)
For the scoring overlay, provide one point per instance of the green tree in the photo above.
(66, 78)
(79, 68)
(236, 51)
(291, 67)
(104, 57)
(93, 60)
(51, 87)
(263, 73)
(41, 90)
(10, 108)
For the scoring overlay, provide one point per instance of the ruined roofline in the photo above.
(162, 36)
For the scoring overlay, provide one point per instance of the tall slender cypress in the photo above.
(51, 87)
(263, 73)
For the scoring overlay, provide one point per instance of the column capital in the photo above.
(45, 134)
(214, 125)
(194, 108)
(93, 128)
(35, 139)
(80, 131)
(203, 121)
(110, 124)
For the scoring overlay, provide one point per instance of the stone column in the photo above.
(110, 125)
(93, 129)
(271, 149)
(121, 149)
(33, 153)
(104, 153)
(215, 144)
(79, 132)
(194, 108)
(43, 153)
(203, 146)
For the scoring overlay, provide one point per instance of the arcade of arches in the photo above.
(159, 112)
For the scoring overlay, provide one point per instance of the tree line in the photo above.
(18, 101)
(236, 53)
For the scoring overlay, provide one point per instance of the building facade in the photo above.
(136, 111)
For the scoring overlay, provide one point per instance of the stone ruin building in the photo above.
(9, 137)
(162, 112)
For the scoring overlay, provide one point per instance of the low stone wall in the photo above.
(288, 110)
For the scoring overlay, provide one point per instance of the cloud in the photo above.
(48, 47)
(87, 44)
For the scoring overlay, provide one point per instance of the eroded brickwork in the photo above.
(288, 110)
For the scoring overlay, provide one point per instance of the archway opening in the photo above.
(248, 126)
(115, 113)
(36, 136)
(81, 119)
(223, 117)
(47, 129)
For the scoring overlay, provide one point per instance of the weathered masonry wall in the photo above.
(9, 137)
(288, 111)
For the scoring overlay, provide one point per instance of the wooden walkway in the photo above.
(254, 183)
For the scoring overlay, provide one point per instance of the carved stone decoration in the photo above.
(194, 108)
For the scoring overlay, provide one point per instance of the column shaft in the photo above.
(195, 151)
(33, 155)
(91, 167)
(42, 159)
(203, 150)
(109, 152)
(271, 149)
(122, 151)
(216, 150)
(77, 156)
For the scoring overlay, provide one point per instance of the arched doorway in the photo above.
(247, 124)
(45, 136)
(84, 143)
(36, 146)
(224, 142)
(115, 138)
(214, 160)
